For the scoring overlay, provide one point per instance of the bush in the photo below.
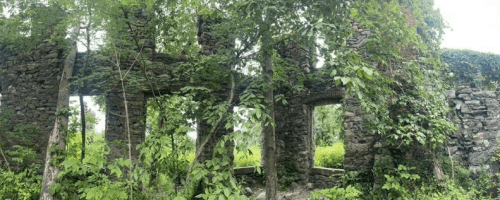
(245, 159)
(330, 157)
(336, 193)
(23, 185)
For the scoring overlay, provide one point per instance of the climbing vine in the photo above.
(465, 66)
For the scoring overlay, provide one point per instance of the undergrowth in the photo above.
(330, 157)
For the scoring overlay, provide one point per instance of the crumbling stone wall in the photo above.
(29, 86)
(320, 178)
(295, 139)
(116, 129)
(477, 118)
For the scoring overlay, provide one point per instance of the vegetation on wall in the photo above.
(467, 66)
(397, 77)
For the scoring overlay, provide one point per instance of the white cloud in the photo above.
(475, 24)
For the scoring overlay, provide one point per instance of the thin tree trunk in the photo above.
(451, 160)
(82, 115)
(61, 124)
(267, 125)
(438, 170)
(175, 161)
(127, 121)
(82, 106)
(128, 131)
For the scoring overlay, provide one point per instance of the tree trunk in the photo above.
(84, 124)
(56, 138)
(268, 132)
(82, 105)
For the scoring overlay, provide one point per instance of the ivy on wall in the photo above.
(464, 66)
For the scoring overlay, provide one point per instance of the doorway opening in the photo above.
(328, 130)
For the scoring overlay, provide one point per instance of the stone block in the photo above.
(465, 90)
(451, 94)
(464, 96)
(473, 102)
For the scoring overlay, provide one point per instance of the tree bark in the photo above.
(82, 105)
(84, 124)
(269, 144)
(61, 124)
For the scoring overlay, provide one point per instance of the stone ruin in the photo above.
(477, 117)
(29, 87)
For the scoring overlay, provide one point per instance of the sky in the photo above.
(475, 24)
(75, 101)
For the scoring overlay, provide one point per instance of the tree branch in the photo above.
(200, 149)
(5, 158)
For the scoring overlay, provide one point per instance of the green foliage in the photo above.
(328, 124)
(31, 23)
(464, 66)
(21, 181)
(330, 157)
(407, 102)
(401, 183)
(94, 177)
(88, 179)
(216, 176)
(20, 131)
(248, 131)
(288, 175)
(336, 193)
(247, 159)
(21, 154)
(168, 150)
(403, 96)
(22, 184)
(448, 190)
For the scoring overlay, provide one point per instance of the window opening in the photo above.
(247, 139)
(95, 120)
(170, 134)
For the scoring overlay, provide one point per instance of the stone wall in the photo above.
(295, 138)
(320, 178)
(29, 87)
(116, 129)
(477, 119)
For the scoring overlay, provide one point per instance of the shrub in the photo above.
(23, 185)
(336, 193)
(330, 157)
(247, 159)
